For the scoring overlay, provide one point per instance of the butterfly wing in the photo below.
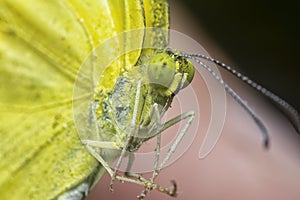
(42, 45)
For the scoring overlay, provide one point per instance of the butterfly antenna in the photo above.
(236, 97)
(291, 113)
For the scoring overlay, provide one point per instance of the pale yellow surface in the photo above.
(42, 46)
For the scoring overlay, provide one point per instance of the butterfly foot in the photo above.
(151, 186)
(173, 191)
(113, 178)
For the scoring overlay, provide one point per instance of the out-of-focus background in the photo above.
(261, 37)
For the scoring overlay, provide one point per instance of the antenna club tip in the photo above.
(266, 144)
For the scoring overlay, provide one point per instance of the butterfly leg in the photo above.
(155, 129)
(188, 115)
(132, 178)
(133, 130)
(148, 183)
(110, 145)
(136, 178)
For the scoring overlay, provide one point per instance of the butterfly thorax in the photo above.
(147, 88)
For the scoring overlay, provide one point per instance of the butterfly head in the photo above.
(170, 72)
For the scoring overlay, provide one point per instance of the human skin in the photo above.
(238, 167)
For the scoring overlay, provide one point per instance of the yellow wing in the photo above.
(42, 45)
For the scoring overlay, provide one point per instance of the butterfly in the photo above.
(44, 46)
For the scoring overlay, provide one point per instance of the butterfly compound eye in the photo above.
(161, 70)
(186, 68)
